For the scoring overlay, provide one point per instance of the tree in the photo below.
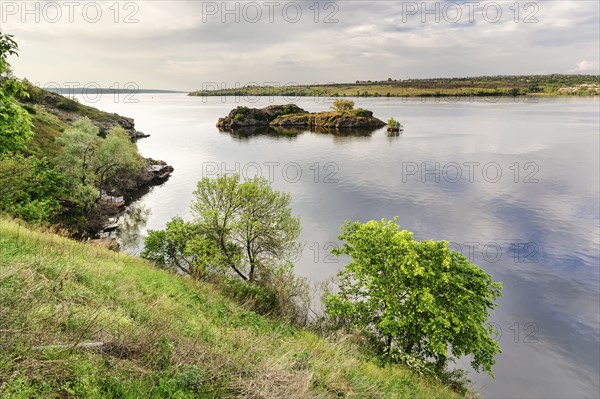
(78, 145)
(29, 188)
(115, 155)
(252, 224)
(15, 122)
(91, 160)
(343, 105)
(266, 229)
(182, 246)
(417, 297)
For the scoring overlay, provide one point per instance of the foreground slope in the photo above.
(81, 321)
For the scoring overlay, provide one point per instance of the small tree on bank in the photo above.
(252, 224)
(419, 297)
(90, 161)
(182, 247)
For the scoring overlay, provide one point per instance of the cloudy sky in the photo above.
(187, 43)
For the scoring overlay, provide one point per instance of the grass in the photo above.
(46, 127)
(161, 335)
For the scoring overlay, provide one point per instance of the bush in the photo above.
(361, 112)
(392, 123)
(30, 191)
(290, 109)
(343, 105)
(418, 297)
(251, 296)
(67, 105)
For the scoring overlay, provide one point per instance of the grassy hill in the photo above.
(80, 321)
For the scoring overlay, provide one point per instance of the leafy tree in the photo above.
(29, 188)
(115, 155)
(252, 224)
(182, 246)
(343, 105)
(265, 227)
(15, 123)
(79, 145)
(90, 160)
(418, 297)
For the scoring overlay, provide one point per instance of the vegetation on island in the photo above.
(394, 126)
(481, 86)
(58, 157)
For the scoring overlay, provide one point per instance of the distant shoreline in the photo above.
(92, 90)
(485, 86)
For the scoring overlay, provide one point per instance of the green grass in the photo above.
(46, 127)
(163, 335)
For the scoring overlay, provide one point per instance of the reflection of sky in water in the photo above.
(559, 213)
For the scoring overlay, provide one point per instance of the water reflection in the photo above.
(292, 132)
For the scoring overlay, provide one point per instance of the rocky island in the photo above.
(343, 116)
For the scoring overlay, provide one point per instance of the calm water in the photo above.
(515, 186)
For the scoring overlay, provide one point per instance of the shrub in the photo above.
(343, 105)
(418, 297)
(361, 112)
(68, 105)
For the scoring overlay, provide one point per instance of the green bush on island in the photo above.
(343, 105)
(361, 112)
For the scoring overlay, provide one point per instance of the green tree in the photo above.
(419, 297)
(343, 105)
(116, 155)
(252, 224)
(15, 122)
(79, 145)
(182, 246)
(29, 188)
(90, 161)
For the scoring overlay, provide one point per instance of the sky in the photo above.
(191, 44)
